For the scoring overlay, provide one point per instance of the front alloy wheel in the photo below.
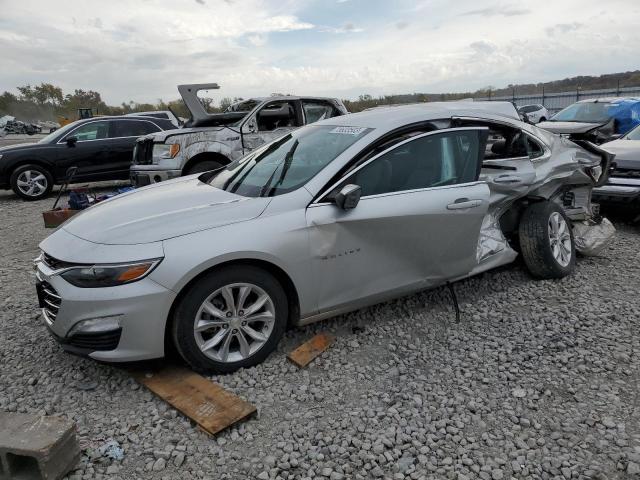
(230, 318)
(31, 182)
(234, 322)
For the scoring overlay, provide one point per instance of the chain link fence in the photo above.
(555, 102)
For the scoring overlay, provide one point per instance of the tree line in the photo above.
(48, 102)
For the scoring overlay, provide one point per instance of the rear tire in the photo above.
(203, 166)
(546, 240)
(31, 182)
(230, 318)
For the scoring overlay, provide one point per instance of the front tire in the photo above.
(31, 182)
(546, 240)
(229, 319)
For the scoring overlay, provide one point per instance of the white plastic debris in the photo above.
(111, 449)
(591, 238)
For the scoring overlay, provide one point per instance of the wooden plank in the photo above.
(305, 353)
(212, 407)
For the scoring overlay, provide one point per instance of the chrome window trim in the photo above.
(63, 139)
(404, 192)
(384, 152)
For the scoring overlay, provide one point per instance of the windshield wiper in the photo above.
(287, 163)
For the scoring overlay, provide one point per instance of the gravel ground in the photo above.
(538, 380)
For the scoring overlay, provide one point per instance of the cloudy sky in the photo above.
(140, 50)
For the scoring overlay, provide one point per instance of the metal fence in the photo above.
(555, 102)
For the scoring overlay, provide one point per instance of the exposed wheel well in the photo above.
(201, 157)
(38, 163)
(284, 279)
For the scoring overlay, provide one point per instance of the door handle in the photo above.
(463, 204)
(508, 179)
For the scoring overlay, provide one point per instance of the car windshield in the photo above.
(633, 134)
(58, 132)
(590, 112)
(288, 163)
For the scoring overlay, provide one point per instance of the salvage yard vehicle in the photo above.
(623, 186)
(101, 148)
(534, 113)
(334, 216)
(597, 120)
(211, 141)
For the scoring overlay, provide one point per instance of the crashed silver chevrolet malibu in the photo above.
(344, 213)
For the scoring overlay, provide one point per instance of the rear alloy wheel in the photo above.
(230, 319)
(31, 182)
(546, 240)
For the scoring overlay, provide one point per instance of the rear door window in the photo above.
(133, 128)
(316, 110)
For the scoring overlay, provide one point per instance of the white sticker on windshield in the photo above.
(348, 130)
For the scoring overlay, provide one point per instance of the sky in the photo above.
(141, 50)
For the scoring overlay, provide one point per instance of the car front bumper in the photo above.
(141, 175)
(128, 321)
(618, 189)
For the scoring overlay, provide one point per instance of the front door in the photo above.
(416, 225)
(271, 122)
(89, 153)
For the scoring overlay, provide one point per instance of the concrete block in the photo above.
(35, 447)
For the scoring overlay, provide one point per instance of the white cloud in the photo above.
(142, 50)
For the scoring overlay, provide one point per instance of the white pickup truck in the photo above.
(209, 141)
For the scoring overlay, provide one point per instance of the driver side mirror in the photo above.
(71, 141)
(348, 197)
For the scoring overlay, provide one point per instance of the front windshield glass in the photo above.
(60, 131)
(584, 112)
(288, 163)
(633, 134)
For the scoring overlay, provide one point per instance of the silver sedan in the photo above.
(335, 216)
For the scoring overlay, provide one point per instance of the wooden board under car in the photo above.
(212, 407)
(55, 218)
(305, 353)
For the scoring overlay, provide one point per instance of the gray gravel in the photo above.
(539, 380)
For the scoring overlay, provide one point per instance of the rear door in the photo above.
(417, 223)
(124, 134)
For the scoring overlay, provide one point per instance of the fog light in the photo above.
(96, 325)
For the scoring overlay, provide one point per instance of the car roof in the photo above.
(392, 117)
(608, 99)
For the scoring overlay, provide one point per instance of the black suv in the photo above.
(101, 148)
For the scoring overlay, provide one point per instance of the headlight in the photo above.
(162, 150)
(96, 276)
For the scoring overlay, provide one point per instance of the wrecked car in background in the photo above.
(597, 120)
(331, 217)
(623, 185)
(210, 141)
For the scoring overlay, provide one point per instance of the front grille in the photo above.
(55, 264)
(49, 301)
(96, 341)
(626, 173)
(143, 151)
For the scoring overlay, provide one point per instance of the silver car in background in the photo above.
(332, 217)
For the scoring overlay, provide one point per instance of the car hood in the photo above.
(161, 211)
(627, 152)
(18, 146)
(568, 127)
(161, 137)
